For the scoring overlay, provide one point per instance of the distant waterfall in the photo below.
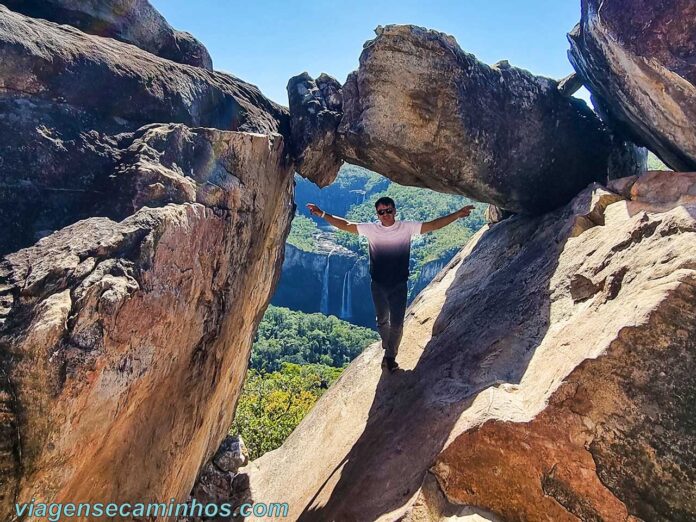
(324, 303)
(347, 296)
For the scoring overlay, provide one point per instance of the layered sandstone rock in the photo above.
(122, 85)
(638, 58)
(422, 112)
(71, 140)
(548, 375)
(146, 205)
(132, 21)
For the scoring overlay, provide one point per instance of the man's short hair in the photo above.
(386, 201)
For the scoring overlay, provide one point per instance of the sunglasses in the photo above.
(385, 211)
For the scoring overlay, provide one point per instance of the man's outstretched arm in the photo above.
(338, 222)
(443, 221)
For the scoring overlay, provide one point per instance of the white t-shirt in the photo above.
(390, 249)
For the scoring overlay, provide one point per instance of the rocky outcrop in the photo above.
(145, 204)
(548, 375)
(140, 330)
(422, 112)
(121, 85)
(638, 58)
(148, 203)
(220, 481)
(72, 139)
(132, 21)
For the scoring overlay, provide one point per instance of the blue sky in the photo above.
(267, 42)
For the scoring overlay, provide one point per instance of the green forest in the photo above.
(295, 337)
(294, 359)
(272, 404)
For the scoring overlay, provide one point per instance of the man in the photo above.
(390, 250)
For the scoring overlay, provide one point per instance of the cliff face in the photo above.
(338, 198)
(127, 342)
(150, 252)
(336, 282)
(548, 375)
(427, 273)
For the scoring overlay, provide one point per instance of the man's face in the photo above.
(386, 214)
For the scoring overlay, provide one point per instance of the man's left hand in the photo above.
(465, 211)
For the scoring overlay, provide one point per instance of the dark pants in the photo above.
(390, 306)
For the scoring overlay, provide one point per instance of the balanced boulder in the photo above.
(422, 112)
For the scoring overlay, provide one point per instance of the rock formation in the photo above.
(422, 112)
(73, 104)
(132, 21)
(152, 248)
(316, 107)
(548, 375)
(219, 481)
(638, 58)
(549, 369)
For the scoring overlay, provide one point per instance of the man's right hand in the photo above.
(313, 209)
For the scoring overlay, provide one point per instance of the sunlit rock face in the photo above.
(638, 58)
(126, 343)
(548, 373)
(145, 207)
(422, 112)
(132, 21)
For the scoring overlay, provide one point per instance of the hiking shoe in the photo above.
(390, 364)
